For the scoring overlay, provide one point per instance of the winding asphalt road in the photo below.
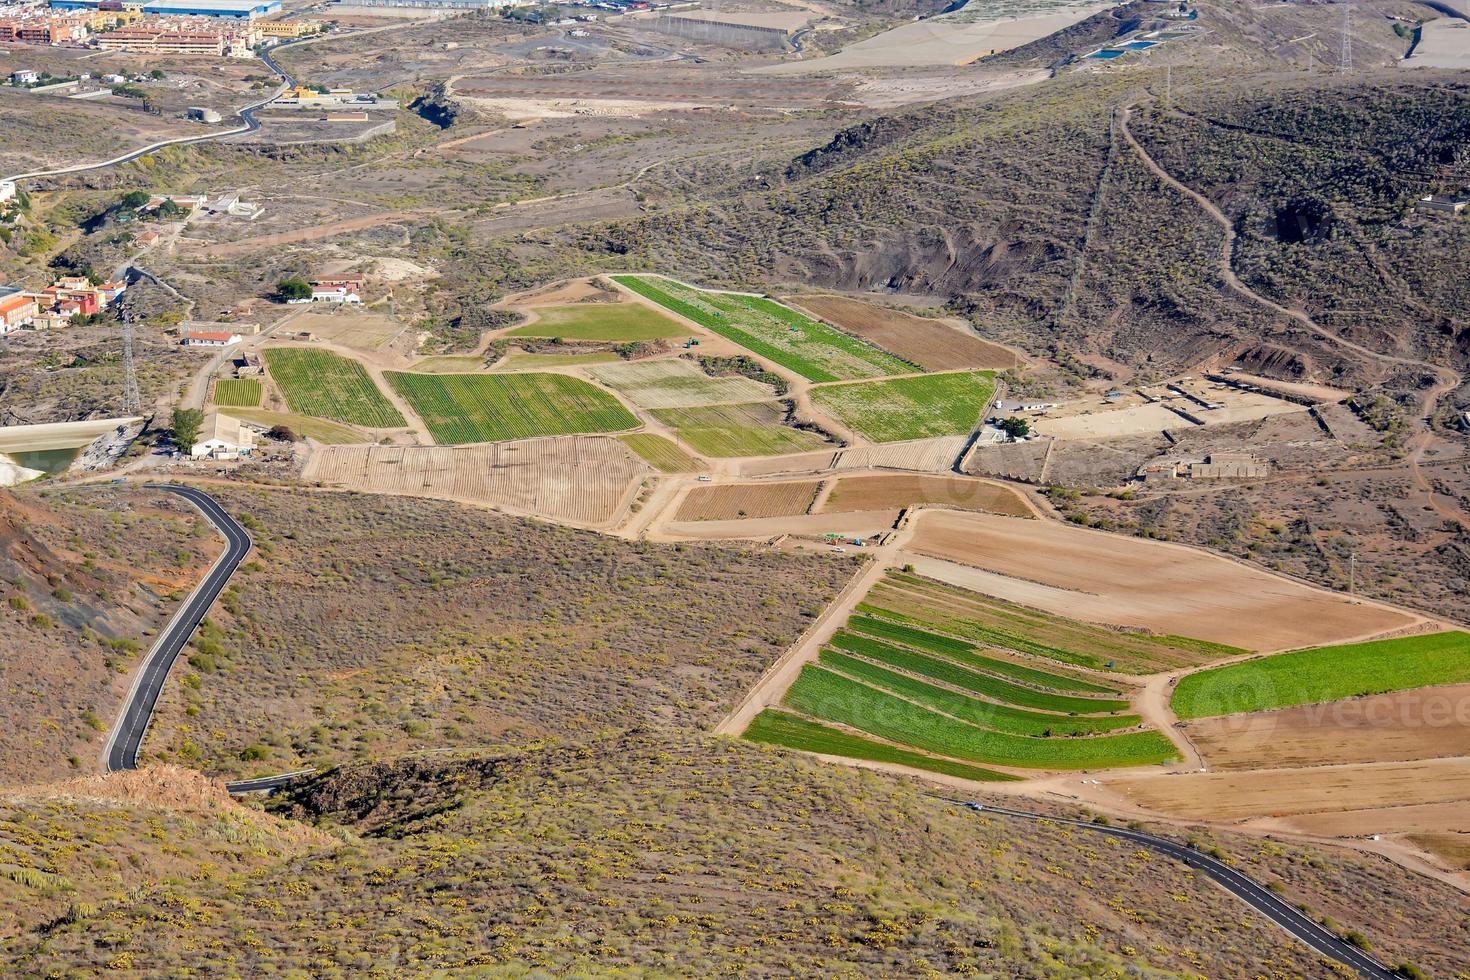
(131, 726)
(1319, 940)
(246, 114)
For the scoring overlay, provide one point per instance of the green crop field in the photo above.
(778, 333)
(237, 393)
(659, 453)
(774, 727)
(826, 696)
(600, 321)
(318, 382)
(919, 407)
(939, 606)
(966, 654)
(986, 714)
(723, 431)
(462, 408)
(983, 684)
(1325, 674)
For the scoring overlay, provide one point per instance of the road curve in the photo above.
(1318, 939)
(126, 737)
(266, 784)
(246, 114)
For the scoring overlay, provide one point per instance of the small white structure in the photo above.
(223, 437)
(210, 338)
(334, 294)
(7, 191)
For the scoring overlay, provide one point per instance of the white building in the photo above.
(7, 191)
(209, 338)
(223, 437)
(334, 294)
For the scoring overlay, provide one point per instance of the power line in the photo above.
(132, 401)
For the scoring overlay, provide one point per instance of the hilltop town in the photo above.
(822, 488)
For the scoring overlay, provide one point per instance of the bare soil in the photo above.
(931, 344)
(736, 501)
(884, 491)
(1161, 587)
(1422, 724)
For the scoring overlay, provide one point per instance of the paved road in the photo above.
(247, 118)
(1319, 940)
(127, 732)
(265, 784)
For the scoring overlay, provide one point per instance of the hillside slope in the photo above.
(85, 579)
(1029, 212)
(699, 856)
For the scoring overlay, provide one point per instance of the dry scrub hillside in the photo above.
(85, 579)
(69, 849)
(687, 855)
(1032, 214)
(368, 624)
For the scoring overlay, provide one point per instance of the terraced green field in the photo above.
(660, 453)
(943, 608)
(919, 407)
(600, 321)
(778, 333)
(464, 408)
(319, 383)
(774, 727)
(965, 653)
(985, 685)
(986, 714)
(723, 431)
(237, 393)
(1325, 674)
(826, 696)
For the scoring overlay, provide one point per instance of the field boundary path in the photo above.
(130, 728)
(1291, 921)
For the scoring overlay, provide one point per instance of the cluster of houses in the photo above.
(56, 305)
(215, 27)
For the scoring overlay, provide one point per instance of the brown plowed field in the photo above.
(726, 503)
(1424, 724)
(920, 455)
(885, 490)
(930, 344)
(1109, 578)
(1278, 793)
(581, 479)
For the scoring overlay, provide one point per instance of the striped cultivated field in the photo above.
(464, 408)
(319, 383)
(581, 479)
(732, 502)
(724, 431)
(778, 333)
(237, 393)
(919, 455)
